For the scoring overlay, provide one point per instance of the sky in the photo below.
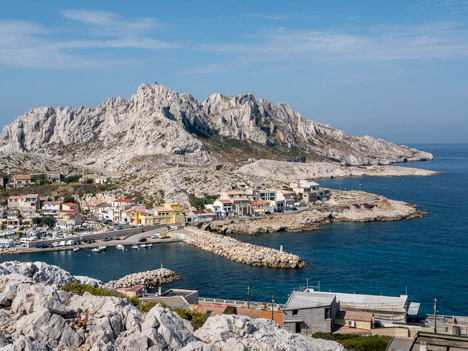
(396, 70)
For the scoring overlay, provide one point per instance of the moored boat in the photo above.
(120, 247)
(76, 249)
(135, 246)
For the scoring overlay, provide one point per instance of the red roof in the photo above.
(160, 209)
(123, 200)
(198, 212)
(136, 288)
(70, 204)
(22, 177)
(17, 197)
(225, 201)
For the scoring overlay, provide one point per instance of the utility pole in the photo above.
(435, 316)
(248, 297)
(272, 301)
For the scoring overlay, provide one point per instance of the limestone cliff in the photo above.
(159, 127)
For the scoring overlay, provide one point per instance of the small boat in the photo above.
(102, 248)
(135, 246)
(76, 249)
(96, 249)
(149, 246)
(143, 246)
(120, 247)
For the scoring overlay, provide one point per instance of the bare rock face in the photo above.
(39, 317)
(157, 127)
(233, 332)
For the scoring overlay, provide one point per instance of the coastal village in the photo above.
(40, 222)
(25, 214)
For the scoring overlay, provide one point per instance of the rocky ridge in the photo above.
(241, 252)
(37, 316)
(159, 127)
(149, 279)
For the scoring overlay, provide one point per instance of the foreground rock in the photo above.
(345, 206)
(150, 279)
(242, 333)
(37, 316)
(238, 251)
(40, 272)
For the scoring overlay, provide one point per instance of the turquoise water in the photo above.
(428, 257)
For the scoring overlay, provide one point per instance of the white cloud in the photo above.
(428, 41)
(28, 44)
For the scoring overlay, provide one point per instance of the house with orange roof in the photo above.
(20, 180)
(51, 208)
(232, 194)
(123, 204)
(70, 207)
(170, 214)
(261, 207)
(226, 207)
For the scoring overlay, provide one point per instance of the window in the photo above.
(294, 312)
(327, 313)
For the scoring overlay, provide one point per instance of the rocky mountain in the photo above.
(36, 315)
(158, 127)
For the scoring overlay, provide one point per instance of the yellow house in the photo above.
(171, 213)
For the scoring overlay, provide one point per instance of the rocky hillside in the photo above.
(36, 315)
(158, 127)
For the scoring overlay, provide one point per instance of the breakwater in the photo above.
(149, 279)
(241, 252)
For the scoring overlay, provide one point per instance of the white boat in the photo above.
(135, 246)
(76, 249)
(96, 249)
(102, 248)
(120, 247)
(150, 246)
(143, 246)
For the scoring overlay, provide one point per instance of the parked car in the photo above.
(118, 228)
(142, 240)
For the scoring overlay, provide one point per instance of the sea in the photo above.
(424, 258)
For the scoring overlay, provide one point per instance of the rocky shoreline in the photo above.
(380, 209)
(241, 252)
(149, 279)
(36, 315)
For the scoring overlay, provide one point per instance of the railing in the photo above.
(253, 304)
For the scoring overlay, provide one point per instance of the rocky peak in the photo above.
(157, 125)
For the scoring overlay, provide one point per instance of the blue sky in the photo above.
(396, 70)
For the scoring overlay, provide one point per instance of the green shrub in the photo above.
(72, 179)
(197, 319)
(354, 342)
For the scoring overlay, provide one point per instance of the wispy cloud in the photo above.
(428, 41)
(28, 44)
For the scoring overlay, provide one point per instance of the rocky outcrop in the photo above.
(150, 279)
(158, 127)
(242, 333)
(40, 317)
(285, 171)
(345, 206)
(40, 272)
(238, 251)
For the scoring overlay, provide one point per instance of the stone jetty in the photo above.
(150, 279)
(238, 251)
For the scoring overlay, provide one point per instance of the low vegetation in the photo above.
(354, 342)
(196, 319)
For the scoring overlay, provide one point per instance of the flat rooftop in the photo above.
(300, 299)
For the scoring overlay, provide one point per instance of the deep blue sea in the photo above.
(427, 257)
